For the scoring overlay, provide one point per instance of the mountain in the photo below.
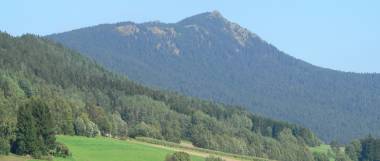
(209, 57)
(85, 99)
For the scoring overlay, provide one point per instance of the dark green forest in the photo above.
(209, 57)
(34, 133)
(47, 89)
(367, 149)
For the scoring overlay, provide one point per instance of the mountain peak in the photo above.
(215, 22)
(214, 16)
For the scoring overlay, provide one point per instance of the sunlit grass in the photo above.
(106, 149)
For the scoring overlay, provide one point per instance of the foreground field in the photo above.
(105, 149)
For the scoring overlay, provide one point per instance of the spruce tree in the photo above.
(26, 134)
(35, 129)
(44, 125)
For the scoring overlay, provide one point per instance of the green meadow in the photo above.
(323, 148)
(106, 149)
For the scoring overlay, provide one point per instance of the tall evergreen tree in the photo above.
(370, 149)
(26, 134)
(6, 130)
(35, 129)
(44, 124)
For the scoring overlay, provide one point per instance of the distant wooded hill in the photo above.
(84, 99)
(209, 57)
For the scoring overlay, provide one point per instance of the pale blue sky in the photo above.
(343, 35)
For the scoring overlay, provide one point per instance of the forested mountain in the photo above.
(42, 81)
(211, 58)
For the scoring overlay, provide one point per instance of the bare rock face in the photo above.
(240, 34)
(128, 30)
(167, 36)
(163, 32)
(172, 46)
(201, 23)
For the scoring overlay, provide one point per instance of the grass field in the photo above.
(323, 148)
(106, 149)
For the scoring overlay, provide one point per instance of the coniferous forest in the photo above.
(47, 89)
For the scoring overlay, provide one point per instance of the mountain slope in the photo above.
(209, 57)
(87, 100)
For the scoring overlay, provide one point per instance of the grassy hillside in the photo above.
(106, 149)
(143, 149)
(101, 149)
(324, 149)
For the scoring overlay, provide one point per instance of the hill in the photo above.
(209, 57)
(82, 98)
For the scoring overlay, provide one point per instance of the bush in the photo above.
(4, 146)
(61, 150)
(85, 127)
(37, 154)
(178, 156)
(320, 157)
(211, 158)
(145, 130)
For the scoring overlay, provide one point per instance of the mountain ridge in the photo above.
(224, 62)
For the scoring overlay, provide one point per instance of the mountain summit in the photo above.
(215, 23)
(210, 57)
(215, 17)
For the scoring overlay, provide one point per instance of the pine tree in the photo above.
(35, 129)
(26, 134)
(44, 124)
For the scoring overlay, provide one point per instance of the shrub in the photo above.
(320, 157)
(61, 150)
(145, 130)
(178, 156)
(4, 146)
